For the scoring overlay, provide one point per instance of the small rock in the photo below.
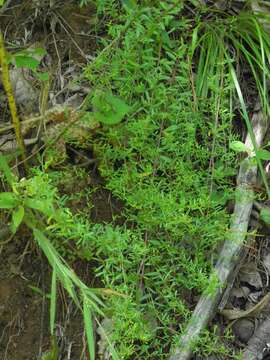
(23, 90)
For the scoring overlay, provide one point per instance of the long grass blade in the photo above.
(53, 302)
(88, 324)
(62, 271)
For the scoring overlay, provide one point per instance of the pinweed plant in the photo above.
(170, 162)
(164, 84)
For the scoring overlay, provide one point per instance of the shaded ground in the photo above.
(24, 310)
(23, 324)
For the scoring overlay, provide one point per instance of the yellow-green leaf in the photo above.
(17, 218)
(8, 200)
(263, 154)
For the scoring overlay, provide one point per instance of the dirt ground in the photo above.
(24, 307)
(23, 326)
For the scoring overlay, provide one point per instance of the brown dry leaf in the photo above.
(240, 292)
(266, 262)
(249, 274)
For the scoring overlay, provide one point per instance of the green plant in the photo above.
(108, 109)
(169, 156)
(211, 343)
(220, 45)
(29, 59)
(32, 202)
(169, 161)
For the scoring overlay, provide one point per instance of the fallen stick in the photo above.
(56, 114)
(230, 254)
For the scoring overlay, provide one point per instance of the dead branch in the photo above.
(56, 114)
(230, 254)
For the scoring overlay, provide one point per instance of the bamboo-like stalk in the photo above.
(11, 100)
(230, 254)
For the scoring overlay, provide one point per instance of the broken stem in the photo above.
(11, 100)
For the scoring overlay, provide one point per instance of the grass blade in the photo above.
(88, 323)
(53, 302)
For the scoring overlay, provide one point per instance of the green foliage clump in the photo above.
(169, 161)
(162, 93)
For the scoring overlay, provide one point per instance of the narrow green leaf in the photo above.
(64, 274)
(88, 323)
(194, 41)
(40, 205)
(6, 170)
(53, 302)
(17, 218)
(38, 291)
(8, 200)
